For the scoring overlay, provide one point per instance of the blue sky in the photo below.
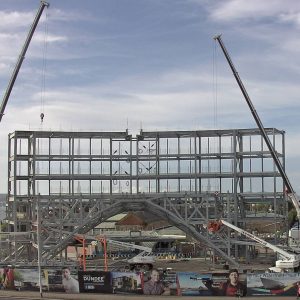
(113, 64)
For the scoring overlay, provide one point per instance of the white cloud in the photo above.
(177, 97)
(291, 45)
(12, 43)
(58, 15)
(292, 17)
(50, 38)
(255, 9)
(15, 19)
(9, 45)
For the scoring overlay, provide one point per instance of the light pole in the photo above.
(39, 244)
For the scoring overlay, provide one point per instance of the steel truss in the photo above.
(76, 180)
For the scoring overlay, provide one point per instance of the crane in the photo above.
(21, 58)
(288, 261)
(289, 189)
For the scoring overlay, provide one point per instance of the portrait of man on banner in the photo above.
(155, 286)
(69, 283)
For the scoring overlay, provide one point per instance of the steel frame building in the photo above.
(69, 182)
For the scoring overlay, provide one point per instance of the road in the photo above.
(24, 295)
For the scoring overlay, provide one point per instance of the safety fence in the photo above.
(154, 282)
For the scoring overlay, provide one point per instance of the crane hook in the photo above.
(42, 117)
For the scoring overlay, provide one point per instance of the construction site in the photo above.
(198, 200)
(71, 182)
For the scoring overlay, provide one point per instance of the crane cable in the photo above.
(213, 168)
(215, 85)
(44, 68)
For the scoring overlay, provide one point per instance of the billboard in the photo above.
(194, 284)
(158, 282)
(95, 282)
(154, 282)
(272, 284)
(127, 282)
(230, 284)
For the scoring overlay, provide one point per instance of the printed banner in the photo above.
(231, 283)
(157, 282)
(69, 282)
(63, 280)
(212, 284)
(55, 280)
(126, 282)
(154, 282)
(272, 284)
(7, 278)
(28, 279)
(95, 282)
(194, 284)
(52, 280)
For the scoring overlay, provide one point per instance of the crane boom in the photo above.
(143, 257)
(289, 260)
(290, 191)
(118, 243)
(284, 253)
(18, 65)
(129, 245)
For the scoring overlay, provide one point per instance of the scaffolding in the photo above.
(76, 180)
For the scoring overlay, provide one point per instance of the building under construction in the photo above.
(61, 184)
(65, 183)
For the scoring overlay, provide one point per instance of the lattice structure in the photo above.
(76, 180)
